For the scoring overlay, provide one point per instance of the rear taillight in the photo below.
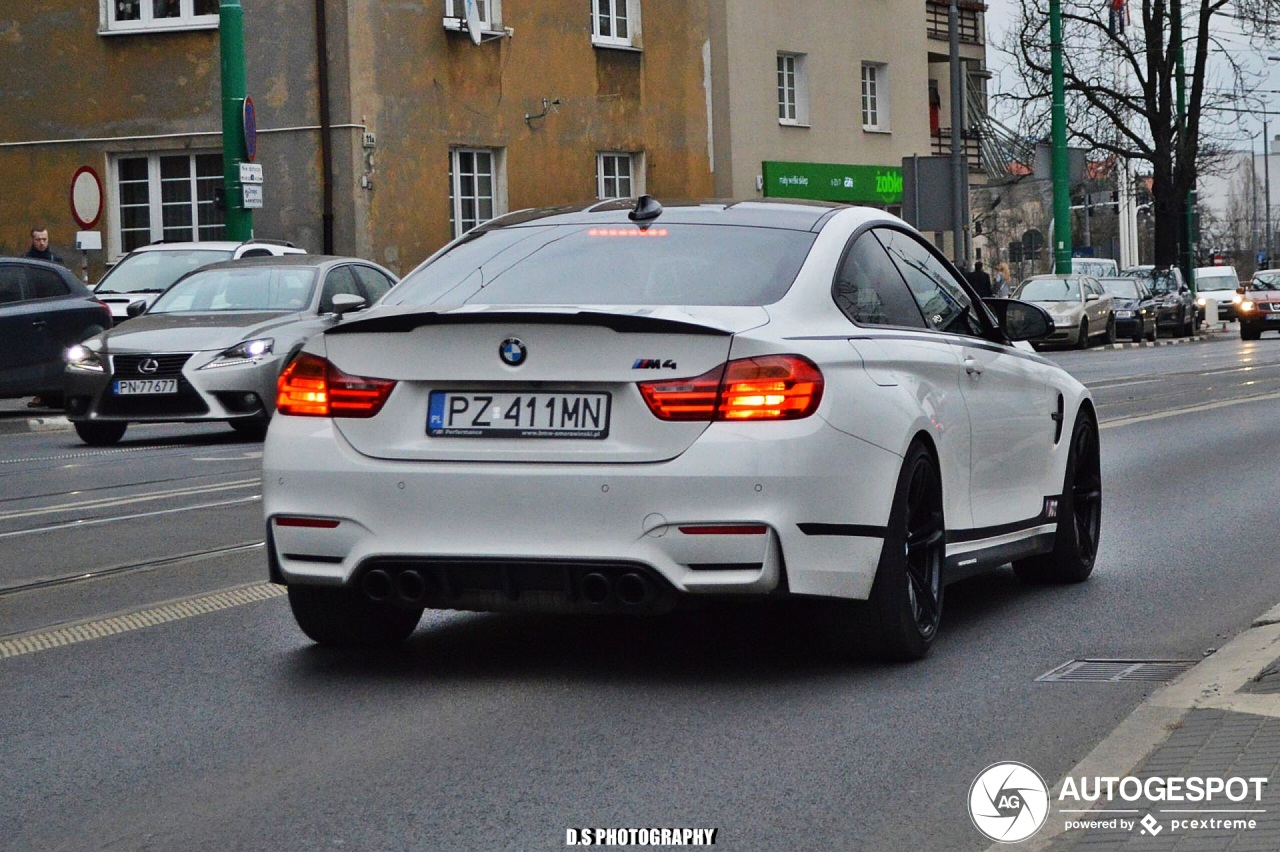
(771, 387)
(312, 387)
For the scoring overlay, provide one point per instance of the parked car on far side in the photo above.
(1135, 308)
(1080, 308)
(43, 310)
(147, 271)
(1175, 306)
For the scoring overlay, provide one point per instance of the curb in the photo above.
(1212, 683)
(20, 425)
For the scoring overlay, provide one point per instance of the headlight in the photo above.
(79, 357)
(1247, 305)
(248, 352)
(1201, 301)
(1237, 299)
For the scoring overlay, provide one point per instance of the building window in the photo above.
(615, 175)
(129, 15)
(793, 89)
(489, 13)
(615, 23)
(475, 188)
(166, 197)
(875, 96)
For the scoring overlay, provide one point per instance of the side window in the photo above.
(10, 283)
(338, 280)
(942, 299)
(870, 291)
(375, 284)
(45, 284)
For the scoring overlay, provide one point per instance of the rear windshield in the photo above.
(260, 288)
(1160, 281)
(611, 265)
(153, 271)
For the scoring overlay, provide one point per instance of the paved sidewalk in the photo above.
(16, 416)
(1221, 719)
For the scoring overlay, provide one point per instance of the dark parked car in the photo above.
(43, 310)
(1135, 308)
(1175, 306)
(1259, 307)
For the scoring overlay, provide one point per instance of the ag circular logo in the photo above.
(1008, 802)
(512, 352)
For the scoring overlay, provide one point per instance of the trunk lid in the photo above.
(579, 368)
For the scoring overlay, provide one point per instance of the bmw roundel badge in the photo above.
(512, 352)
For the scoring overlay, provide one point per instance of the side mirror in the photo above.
(136, 309)
(1092, 297)
(345, 303)
(1021, 320)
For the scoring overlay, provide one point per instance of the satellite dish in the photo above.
(473, 20)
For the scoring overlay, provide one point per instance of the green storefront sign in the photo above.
(833, 182)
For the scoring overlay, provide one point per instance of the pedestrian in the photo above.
(40, 246)
(1000, 285)
(980, 280)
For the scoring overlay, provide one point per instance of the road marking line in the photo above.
(124, 501)
(100, 628)
(1208, 406)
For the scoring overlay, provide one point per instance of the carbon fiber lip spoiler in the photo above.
(404, 323)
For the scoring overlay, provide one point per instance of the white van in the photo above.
(1097, 267)
(1217, 284)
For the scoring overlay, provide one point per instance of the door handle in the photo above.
(972, 367)
(39, 324)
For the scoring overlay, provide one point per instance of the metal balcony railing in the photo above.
(970, 22)
(971, 142)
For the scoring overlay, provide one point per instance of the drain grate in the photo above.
(1117, 671)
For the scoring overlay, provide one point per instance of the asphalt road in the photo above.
(224, 729)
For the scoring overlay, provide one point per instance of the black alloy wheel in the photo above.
(899, 621)
(1075, 547)
(1083, 342)
(1109, 336)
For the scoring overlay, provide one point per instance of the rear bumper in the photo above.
(818, 526)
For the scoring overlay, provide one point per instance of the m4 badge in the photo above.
(653, 364)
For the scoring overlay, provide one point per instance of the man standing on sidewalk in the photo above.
(40, 247)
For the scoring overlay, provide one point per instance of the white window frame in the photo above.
(147, 22)
(155, 198)
(634, 177)
(614, 11)
(497, 197)
(875, 97)
(489, 12)
(792, 79)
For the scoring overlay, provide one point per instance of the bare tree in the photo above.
(1120, 71)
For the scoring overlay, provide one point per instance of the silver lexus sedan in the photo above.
(212, 345)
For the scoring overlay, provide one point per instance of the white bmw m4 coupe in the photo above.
(625, 406)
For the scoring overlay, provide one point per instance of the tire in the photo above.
(1083, 341)
(101, 434)
(343, 618)
(899, 621)
(1154, 334)
(1075, 544)
(1249, 333)
(1109, 336)
(1184, 325)
(254, 430)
